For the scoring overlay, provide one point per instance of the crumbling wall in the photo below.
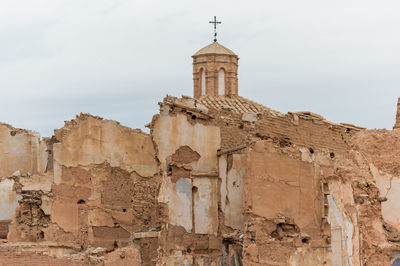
(92, 140)
(15, 256)
(290, 219)
(232, 168)
(371, 176)
(219, 181)
(187, 145)
(287, 220)
(106, 177)
(22, 156)
(293, 189)
(343, 219)
(21, 150)
(301, 150)
(37, 254)
(100, 190)
(8, 204)
(284, 208)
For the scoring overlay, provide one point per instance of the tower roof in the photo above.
(214, 48)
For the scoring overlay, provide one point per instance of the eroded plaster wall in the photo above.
(366, 184)
(282, 215)
(284, 201)
(232, 168)
(22, 156)
(101, 194)
(187, 151)
(8, 204)
(171, 132)
(20, 150)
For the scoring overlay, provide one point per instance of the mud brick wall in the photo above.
(13, 257)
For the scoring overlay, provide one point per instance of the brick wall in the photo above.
(10, 256)
(312, 133)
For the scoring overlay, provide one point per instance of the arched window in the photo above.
(202, 82)
(221, 82)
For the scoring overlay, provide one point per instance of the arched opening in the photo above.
(221, 82)
(202, 82)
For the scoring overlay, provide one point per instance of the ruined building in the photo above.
(220, 180)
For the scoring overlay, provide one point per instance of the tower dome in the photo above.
(214, 48)
(215, 71)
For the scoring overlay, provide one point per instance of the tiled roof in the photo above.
(240, 105)
(236, 104)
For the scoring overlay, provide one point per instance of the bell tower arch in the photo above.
(215, 69)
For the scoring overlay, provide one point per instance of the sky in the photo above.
(118, 58)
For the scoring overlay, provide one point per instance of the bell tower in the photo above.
(215, 70)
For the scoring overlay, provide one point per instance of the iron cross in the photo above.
(215, 22)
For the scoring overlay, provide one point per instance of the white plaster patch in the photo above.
(46, 205)
(222, 165)
(235, 193)
(389, 187)
(306, 155)
(172, 132)
(19, 151)
(181, 206)
(249, 117)
(205, 205)
(43, 159)
(341, 233)
(56, 166)
(8, 199)
(178, 196)
(322, 157)
(391, 207)
(37, 182)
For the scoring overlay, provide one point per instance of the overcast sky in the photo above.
(119, 58)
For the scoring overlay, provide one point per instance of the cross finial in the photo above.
(215, 22)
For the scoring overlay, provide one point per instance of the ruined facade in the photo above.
(220, 180)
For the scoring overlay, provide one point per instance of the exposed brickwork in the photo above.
(234, 104)
(310, 132)
(4, 228)
(305, 129)
(13, 257)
